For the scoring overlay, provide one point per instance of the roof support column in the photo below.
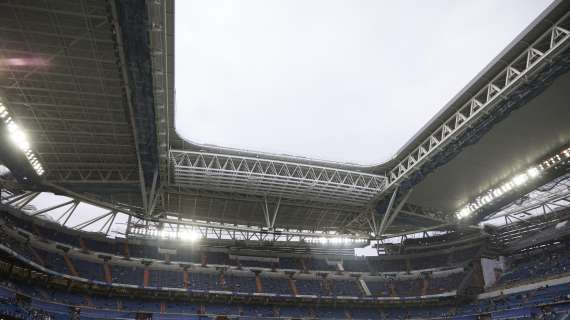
(396, 211)
(128, 97)
(387, 213)
(270, 217)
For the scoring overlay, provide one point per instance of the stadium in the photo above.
(107, 212)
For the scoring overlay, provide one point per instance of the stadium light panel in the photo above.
(533, 172)
(517, 181)
(20, 139)
(189, 235)
(520, 179)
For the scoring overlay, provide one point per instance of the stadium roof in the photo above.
(106, 135)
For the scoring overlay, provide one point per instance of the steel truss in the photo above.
(78, 173)
(379, 228)
(273, 178)
(60, 212)
(66, 213)
(537, 54)
(180, 229)
(161, 57)
(73, 111)
(549, 198)
(256, 210)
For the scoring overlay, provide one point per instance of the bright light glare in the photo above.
(518, 180)
(334, 240)
(533, 172)
(19, 139)
(185, 235)
(189, 235)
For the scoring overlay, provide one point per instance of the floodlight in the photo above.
(520, 179)
(189, 235)
(12, 127)
(19, 139)
(533, 172)
(164, 234)
(464, 212)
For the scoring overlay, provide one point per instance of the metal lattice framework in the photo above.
(70, 213)
(551, 42)
(75, 105)
(549, 198)
(66, 89)
(177, 229)
(273, 178)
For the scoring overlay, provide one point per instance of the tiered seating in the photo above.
(18, 246)
(378, 288)
(385, 265)
(537, 266)
(11, 309)
(444, 284)
(166, 278)
(523, 305)
(204, 281)
(345, 288)
(123, 274)
(183, 307)
(239, 284)
(143, 251)
(330, 313)
(102, 246)
(66, 297)
(145, 305)
(104, 302)
(365, 313)
(294, 312)
(465, 254)
(408, 288)
(289, 263)
(189, 255)
(54, 261)
(310, 286)
(276, 285)
(221, 309)
(127, 275)
(413, 287)
(433, 261)
(89, 270)
(256, 264)
(356, 265)
(318, 264)
(392, 287)
(252, 311)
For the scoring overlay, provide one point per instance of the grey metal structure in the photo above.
(550, 43)
(238, 174)
(66, 88)
(100, 113)
(549, 198)
(490, 88)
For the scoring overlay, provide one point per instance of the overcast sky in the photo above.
(346, 80)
